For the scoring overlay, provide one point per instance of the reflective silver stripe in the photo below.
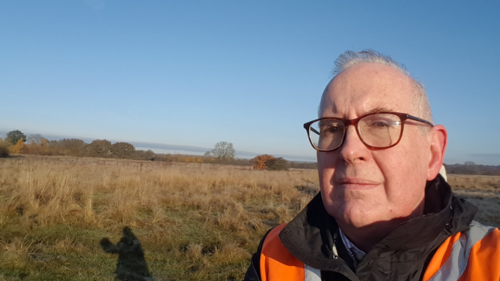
(442, 172)
(311, 273)
(456, 264)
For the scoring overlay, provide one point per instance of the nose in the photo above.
(353, 150)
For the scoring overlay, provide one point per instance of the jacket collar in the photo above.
(310, 235)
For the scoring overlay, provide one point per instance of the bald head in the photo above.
(349, 59)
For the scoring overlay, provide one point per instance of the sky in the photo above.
(183, 75)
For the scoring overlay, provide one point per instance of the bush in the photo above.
(260, 161)
(277, 164)
(4, 151)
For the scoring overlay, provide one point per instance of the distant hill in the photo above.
(469, 168)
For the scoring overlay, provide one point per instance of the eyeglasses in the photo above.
(376, 130)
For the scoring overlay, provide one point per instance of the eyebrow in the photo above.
(379, 109)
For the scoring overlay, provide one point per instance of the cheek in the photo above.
(405, 179)
(325, 178)
(403, 163)
(326, 169)
(327, 192)
(326, 160)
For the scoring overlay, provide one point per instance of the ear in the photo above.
(438, 142)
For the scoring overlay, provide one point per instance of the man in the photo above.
(383, 212)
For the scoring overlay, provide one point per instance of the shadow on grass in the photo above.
(131, 265)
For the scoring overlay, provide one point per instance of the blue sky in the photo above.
(192, 73)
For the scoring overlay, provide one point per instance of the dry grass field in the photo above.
(482, 191)
(194, 221)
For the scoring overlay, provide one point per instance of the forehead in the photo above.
(365, 87)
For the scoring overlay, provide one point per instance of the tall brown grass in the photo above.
(49, 191)
(235, 205)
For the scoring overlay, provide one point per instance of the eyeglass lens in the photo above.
(376, 130)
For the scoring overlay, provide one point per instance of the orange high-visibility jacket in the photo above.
(472, 255)
(443, 244)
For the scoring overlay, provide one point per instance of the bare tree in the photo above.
(34, 139)
(223, 151)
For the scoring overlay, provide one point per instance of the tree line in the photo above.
(470, 168)
(223, 152)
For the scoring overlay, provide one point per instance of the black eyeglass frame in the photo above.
(402, 116)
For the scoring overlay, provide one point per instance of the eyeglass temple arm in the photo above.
(314, 130)
(419, 119)
(308, 127)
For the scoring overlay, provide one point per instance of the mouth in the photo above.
(355, 183)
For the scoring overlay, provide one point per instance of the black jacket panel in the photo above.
(402, 255)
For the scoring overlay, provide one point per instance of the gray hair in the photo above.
(349, 58)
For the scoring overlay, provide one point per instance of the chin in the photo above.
(359, 221)
(348, 216)
(358, 217)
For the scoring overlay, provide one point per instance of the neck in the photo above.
(366, 237)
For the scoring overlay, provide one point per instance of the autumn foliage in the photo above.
(18, 147)
(260, 161)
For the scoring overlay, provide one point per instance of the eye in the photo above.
(330, 129)
(333, 128)
(381, 123)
